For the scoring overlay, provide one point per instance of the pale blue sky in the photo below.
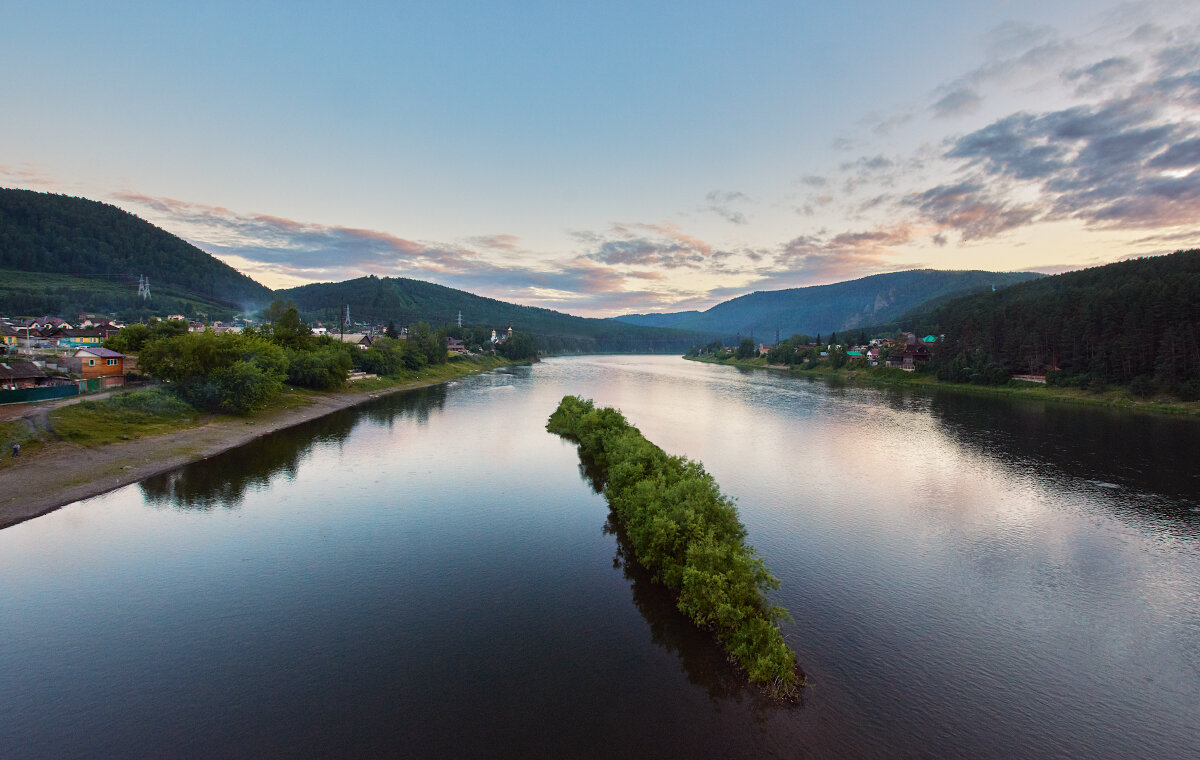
(614, 157)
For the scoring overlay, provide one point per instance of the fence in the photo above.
(38, 394)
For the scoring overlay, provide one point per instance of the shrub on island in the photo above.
(688, 535)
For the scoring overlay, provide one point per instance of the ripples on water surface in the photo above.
(431, 576)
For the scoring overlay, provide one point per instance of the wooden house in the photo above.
(98, 368)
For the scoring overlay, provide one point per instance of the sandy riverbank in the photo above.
(62, 472)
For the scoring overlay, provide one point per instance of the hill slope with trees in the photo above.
(841, 306)
(1134, 322)
(405, 301)
(96, 252)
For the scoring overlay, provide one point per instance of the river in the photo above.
(430, 576)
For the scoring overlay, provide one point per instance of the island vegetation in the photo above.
(687, 534)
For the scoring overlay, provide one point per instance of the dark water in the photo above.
(432, 577)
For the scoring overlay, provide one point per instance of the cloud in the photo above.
(961, 99)
(649, 245)
(1089, 79)
(496, 242)
(822, 258)
(27, 175)
(1128, 161)
(303, 246)
(968, 209)
(721, 204)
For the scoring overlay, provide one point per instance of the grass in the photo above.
(123, 416)
(153, 411)
(18, 431)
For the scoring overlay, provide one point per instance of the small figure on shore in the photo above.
(16, 450)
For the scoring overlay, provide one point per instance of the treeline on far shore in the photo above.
(239, 373)
(1133, 325)
(688, 535)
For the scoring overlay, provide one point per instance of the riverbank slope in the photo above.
(51, 473)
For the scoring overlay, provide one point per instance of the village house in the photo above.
(82, 337)
(362, 340)
(98, 368)
(46, 323)
(455, 346)
(18, 373)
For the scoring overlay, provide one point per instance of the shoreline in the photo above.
(1034, 392)
(44, 482)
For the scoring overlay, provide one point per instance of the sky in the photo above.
(617, 157)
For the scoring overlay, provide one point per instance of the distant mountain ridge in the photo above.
(405, 301)
(105, 249)
(63, 255)
(846, 305)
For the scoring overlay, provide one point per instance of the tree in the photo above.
(286, 328)
(230, 372)
(431, 345)
(746, 350)
(390, 332)
(518, 347)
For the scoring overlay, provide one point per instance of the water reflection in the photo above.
(1121, 456)
(223, 480)
(701, 658)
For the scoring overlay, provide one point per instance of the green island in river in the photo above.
(687, 534)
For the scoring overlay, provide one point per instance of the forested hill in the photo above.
(1119, 322)
(104, 250)
(827, 308)
(406, 301)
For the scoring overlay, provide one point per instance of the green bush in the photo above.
(321, 369)
(687, 534)
(156, 401)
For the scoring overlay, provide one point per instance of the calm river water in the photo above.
(430, 576)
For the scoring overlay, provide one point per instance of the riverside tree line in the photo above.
(1133, 324)
(241, 372)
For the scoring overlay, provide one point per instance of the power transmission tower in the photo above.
(460, 317)
(143, 287)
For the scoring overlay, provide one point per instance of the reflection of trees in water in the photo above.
(701, 657)
(1107, 447)
(415, 404)
(222, 480)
